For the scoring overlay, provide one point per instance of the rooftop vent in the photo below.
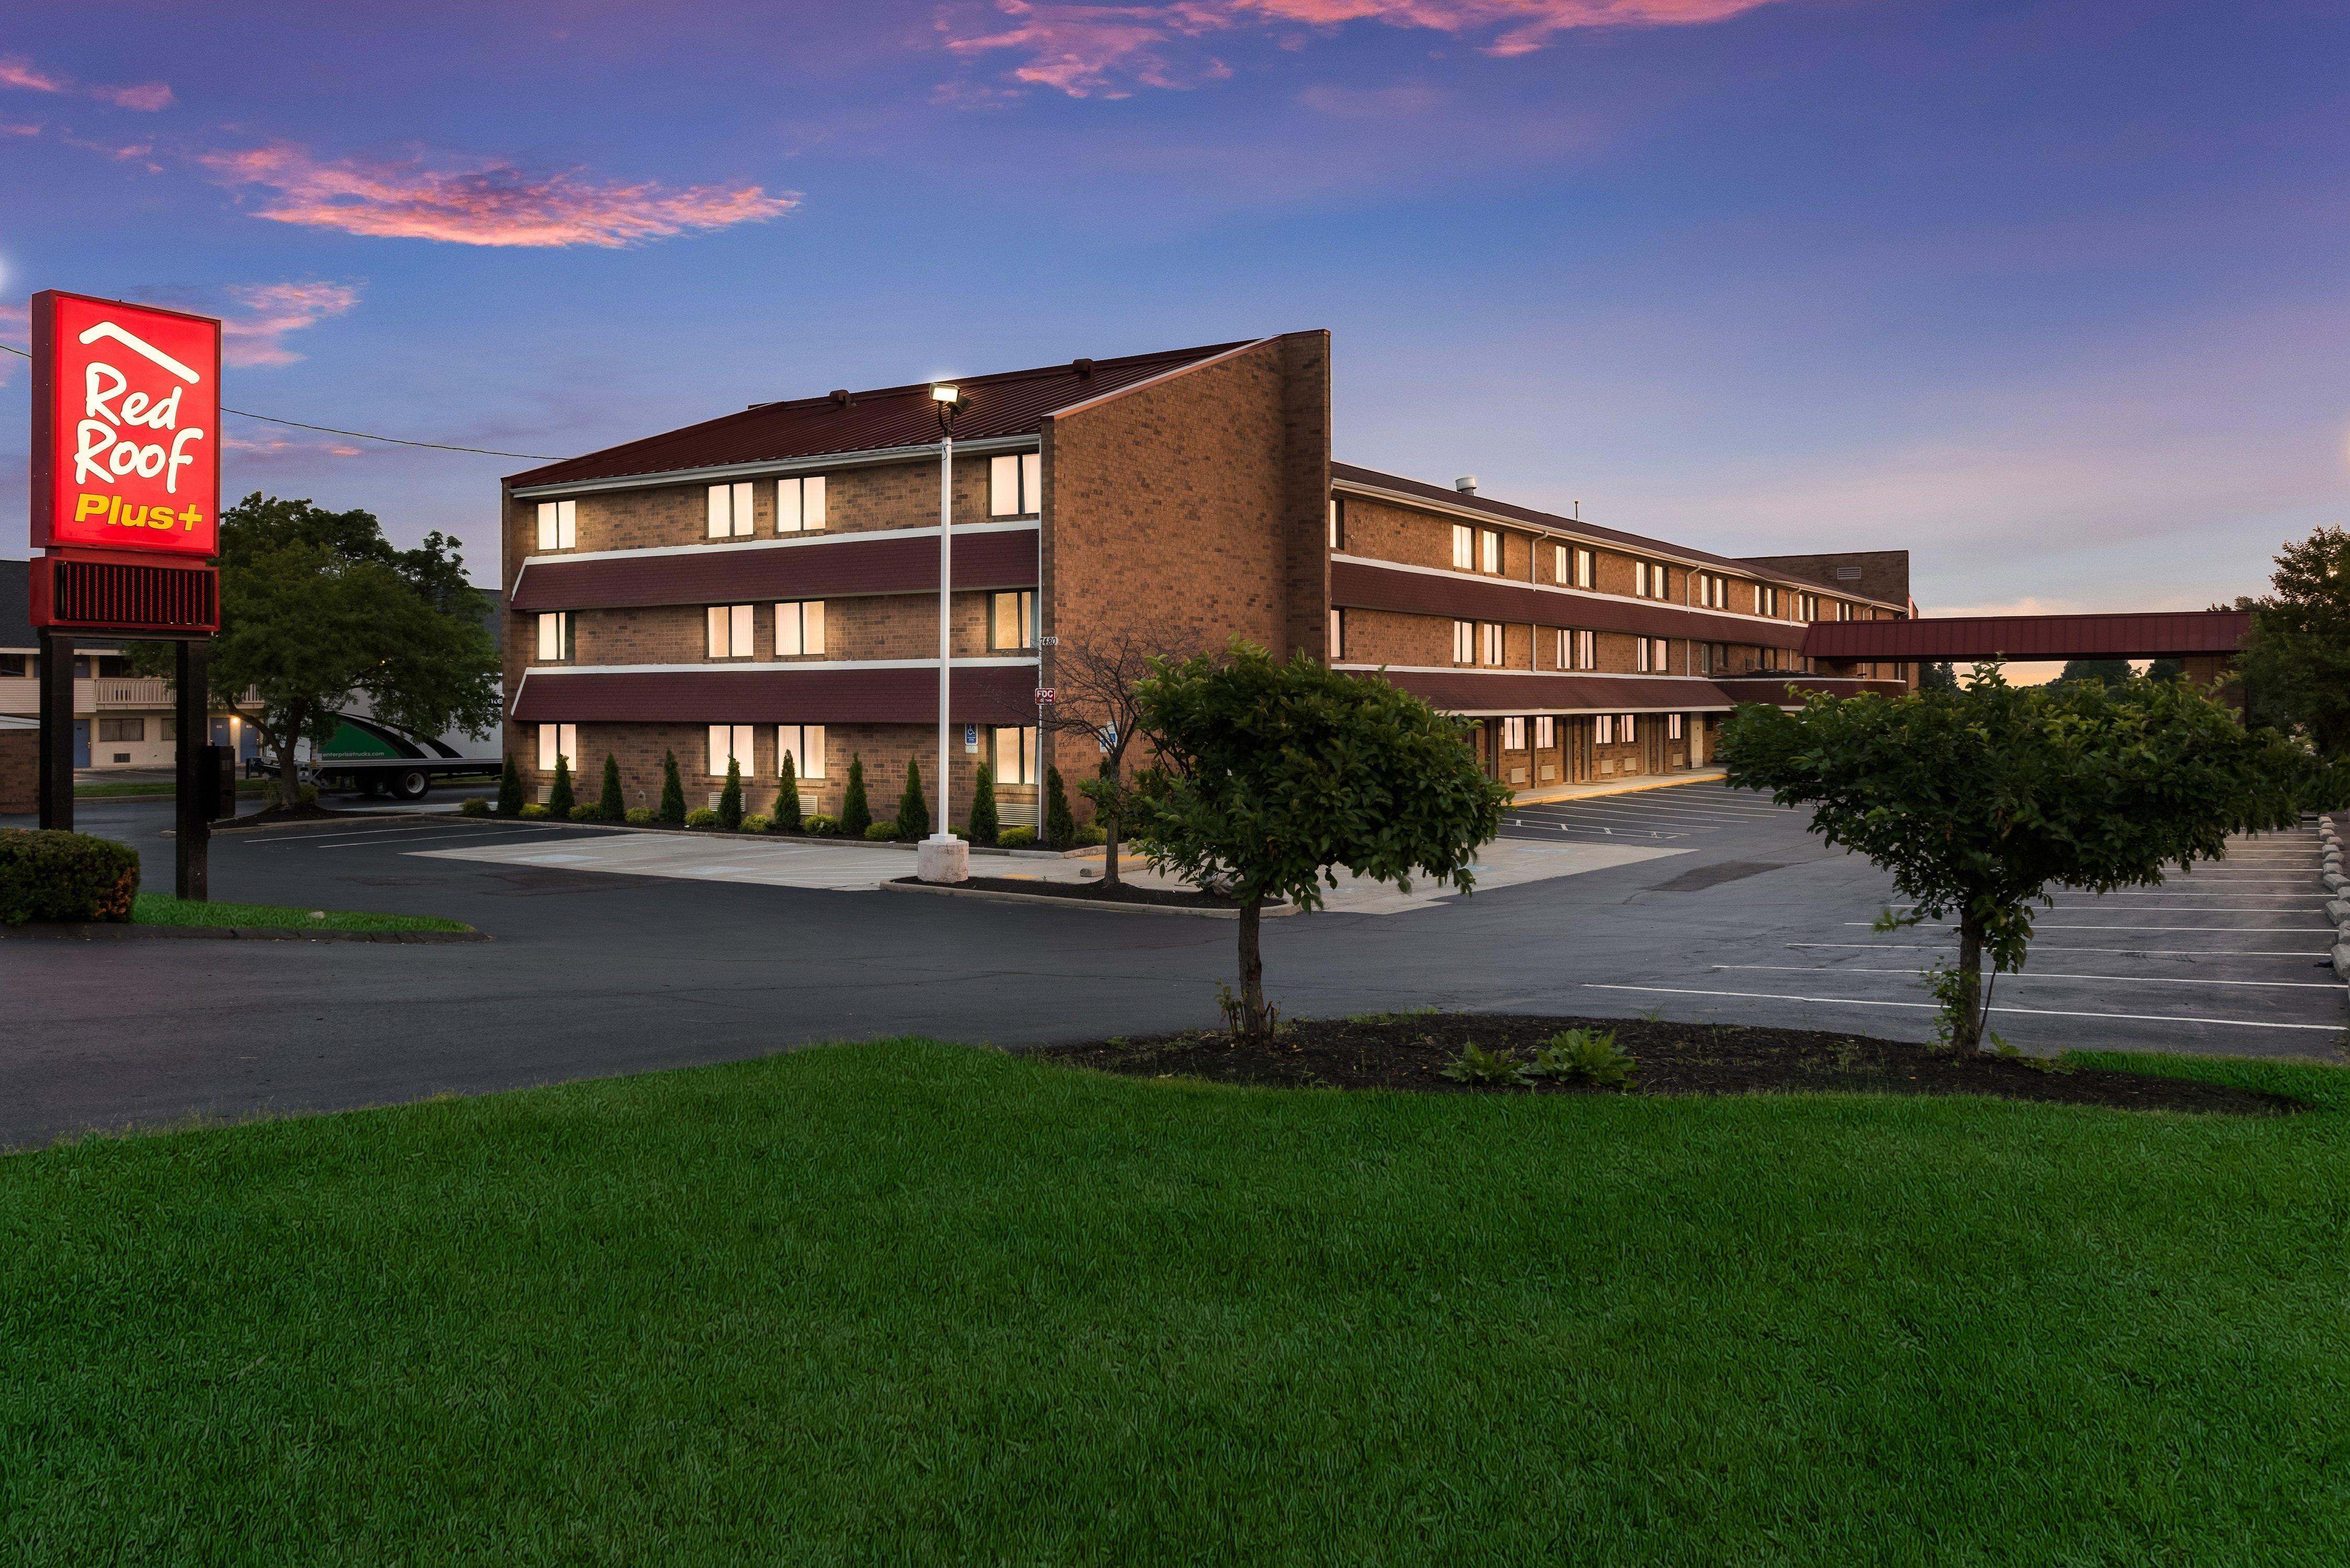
(1466, 484)
(840, 397)
(1082, 367)
(1847, 573)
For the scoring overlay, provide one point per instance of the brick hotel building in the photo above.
(766, 582)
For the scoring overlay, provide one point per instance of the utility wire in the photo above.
(354, 435)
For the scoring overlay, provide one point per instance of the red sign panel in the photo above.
(126, 427)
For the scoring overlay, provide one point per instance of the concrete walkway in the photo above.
(1549, 792)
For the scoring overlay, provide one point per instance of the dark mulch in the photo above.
(1407, 1051)
(1097, 892)
(278, 815)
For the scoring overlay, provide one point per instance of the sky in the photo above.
(2051, 294)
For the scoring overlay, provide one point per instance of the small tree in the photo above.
(1060, 825)
(2111, 671)
(672, 800)
(855, 815)
(510, 788)
(984, 824)
(1269, 775)
(2296, 665)
(787, 799)
(558, 799)
(730, 798)
(1938, 676)
(1979, 801)
(610, 805)
(1097, 679)
(913, 811)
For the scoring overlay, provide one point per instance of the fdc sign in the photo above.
(126, 427)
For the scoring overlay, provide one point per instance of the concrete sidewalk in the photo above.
(1550, 793)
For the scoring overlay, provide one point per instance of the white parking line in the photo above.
(1930, 1006)
(2038, 974)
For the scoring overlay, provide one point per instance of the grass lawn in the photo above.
(905, 1301)
(142, 789)
(163, 910)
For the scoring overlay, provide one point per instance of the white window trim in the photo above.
(748, 667)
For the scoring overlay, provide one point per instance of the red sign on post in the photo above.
(126, 427)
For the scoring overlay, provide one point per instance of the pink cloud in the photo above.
(13, 128)
(18, 71)
(484, 204)
(254, 335)
(147, 96)
(1086, 50)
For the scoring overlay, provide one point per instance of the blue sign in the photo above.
(971, 737)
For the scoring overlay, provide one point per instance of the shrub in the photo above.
(588, 811)
(535, 812)
(702, 816)
(640, 817)
(609, 802)
(1060, 827)
(787, 803)
(510, 789)
(1092, 835)
(1475, 1065)
(984, 825)
(882, 832)
(476, 806)
(558, 797)
(730, 798)
(672, 800)
(309, 796)
(1017, 838)
(913, 811)
(46, 875)
(856, 816)
(757, 822)
(823, 827)
(1581, 1054)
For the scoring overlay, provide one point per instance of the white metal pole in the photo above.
(946, 624)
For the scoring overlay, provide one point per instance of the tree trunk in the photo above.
(1967, 1039)
(1109, 826)
(289, 776)
(1254, 1022)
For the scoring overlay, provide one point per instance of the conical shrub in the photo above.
(855, 815)
(788, 800)
(983, 825)
(913, 811)
(673, 806)
(730, 798)
(1060, 824)
(510, 789)
(559, 799)
(610, 805)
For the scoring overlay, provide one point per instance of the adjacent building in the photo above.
(765, 585)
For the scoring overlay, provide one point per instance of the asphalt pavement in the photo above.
(1744, 916)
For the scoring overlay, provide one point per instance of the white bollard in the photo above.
(943, 858)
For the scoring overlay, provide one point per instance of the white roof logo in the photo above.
(108, 329)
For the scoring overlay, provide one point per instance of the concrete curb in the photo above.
(113, 931)
(713, 835)
(1047, 901)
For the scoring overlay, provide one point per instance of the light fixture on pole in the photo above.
(943, 857)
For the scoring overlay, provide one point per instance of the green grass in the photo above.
(141, 790)
(163, 910)
(909, 1302)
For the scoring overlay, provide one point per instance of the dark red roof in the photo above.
(1013, 402)
(2147, 635)
(1365, 584)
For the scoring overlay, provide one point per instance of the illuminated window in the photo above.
(1577, 650)
(1652, 655)
(555, 636)
(1489, 550)
(1604, 730)
(804, 743)
(730, 631)
(1513, 735)
(1016, 484)
(1626, 732)
(1337, 634)
(1807, 607)
(729, 742)
(1651, 580)
(1464, 548)
(1337, 525)
(799, 629)
(1545, 733)
(1766, 599)
(1015, 755)
(1464, 642)
(730, 510)
(1011, 619)
(557, 741)
(799, 504)
(558, 525)
(1672, 726)
(1489, 642)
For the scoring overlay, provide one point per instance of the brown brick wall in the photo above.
(886, 626)
(856, 501)
(20, 770)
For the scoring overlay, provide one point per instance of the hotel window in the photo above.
(1587, 569)
(799, 629)
(1625, 730)
(1464, 548)
(1015, 756)
(730, 510)
(558, 741)
(1337, 525)
(1577, 650)
(804, 743)
(1807, 607)
(1713, 590)
(1652, 655)
(729, 742)
(799, 504)
(1844, 609)
(1513, 735)
(730, 631)
(122, 728)
(16, 666)
(558, 525)
(1489, 550)
(1489, 642)
(1672, 726)
(1011, 619)
(1651, 580)
(554, 629)
(1464, 642)
(1766, 599)
(1016, 484)
(1545, 733)
(1604, 730)
(1337, 634)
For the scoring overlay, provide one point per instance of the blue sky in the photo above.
(2051, 294)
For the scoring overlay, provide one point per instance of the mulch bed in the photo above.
(1407, 1051)
(277, 815)
(1094, 892)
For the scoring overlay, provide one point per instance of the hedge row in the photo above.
(49, 876)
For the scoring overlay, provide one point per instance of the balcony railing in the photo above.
(148, 693)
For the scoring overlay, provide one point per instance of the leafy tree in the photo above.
(319, 608)
(855, 815)
(1060, 823)
(558, 799)
(730, 798)
(1268, 776)
(510, 788)
(2110, 671)
(787, 799)
(913, 811)
(611, 805)
(2167, 669)
(1980, 801)
(1937, 677)
(984, 824)
(2295, 666)
(672, 800)
(1096, 679)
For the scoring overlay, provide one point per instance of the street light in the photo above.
(943, 857)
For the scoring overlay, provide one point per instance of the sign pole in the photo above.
(193, 842)
(56, 656)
